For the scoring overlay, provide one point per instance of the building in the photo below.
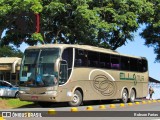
(152, 80)
(9, 69)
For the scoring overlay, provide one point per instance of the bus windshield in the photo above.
(37, 67)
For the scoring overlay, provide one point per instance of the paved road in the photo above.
(148, 110)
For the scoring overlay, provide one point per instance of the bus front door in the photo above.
(63, 74)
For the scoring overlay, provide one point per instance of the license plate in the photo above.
(34, 97)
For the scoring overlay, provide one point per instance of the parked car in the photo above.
(8, 90)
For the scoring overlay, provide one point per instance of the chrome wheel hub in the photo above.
(75, 98)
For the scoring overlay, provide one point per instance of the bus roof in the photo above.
(85, 47)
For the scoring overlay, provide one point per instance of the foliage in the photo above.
(16, 22)
(10, 51)
(37, 36)
(15, 103)
(104, 23)
(152, 31)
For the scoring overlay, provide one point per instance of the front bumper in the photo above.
(35, 97)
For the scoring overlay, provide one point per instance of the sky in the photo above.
(136, 48)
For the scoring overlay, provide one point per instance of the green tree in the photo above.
(10, 51)
(152, 31)
(104, 23)
(16, 22)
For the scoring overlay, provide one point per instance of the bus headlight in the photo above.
(51, 93)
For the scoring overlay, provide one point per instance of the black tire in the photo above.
(45, 104)
(17, 95)
(132, 96)
(124, 96)
(77, 99)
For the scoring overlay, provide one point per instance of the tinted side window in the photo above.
(115, 62)
(142, 65)
(93, 59)
(125, 63)
(145, 65)
(68, 56)
(80, 58)
(5, 84)
(105, 61)
(133, 64)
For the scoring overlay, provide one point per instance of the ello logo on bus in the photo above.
(104, 85)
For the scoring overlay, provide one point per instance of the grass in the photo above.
(14, 103)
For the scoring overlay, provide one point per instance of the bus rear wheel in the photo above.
(77, 99)
(124, 96)
(132, 96)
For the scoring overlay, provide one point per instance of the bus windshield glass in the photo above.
(37, 67)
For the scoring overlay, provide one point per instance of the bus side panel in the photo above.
(98, 84)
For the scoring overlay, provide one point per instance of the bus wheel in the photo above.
(124, 96)
(132, 96)
(77, 99)
(45, 104)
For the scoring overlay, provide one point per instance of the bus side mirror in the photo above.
(57, 65)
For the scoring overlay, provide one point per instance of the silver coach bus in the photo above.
(76, 73)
